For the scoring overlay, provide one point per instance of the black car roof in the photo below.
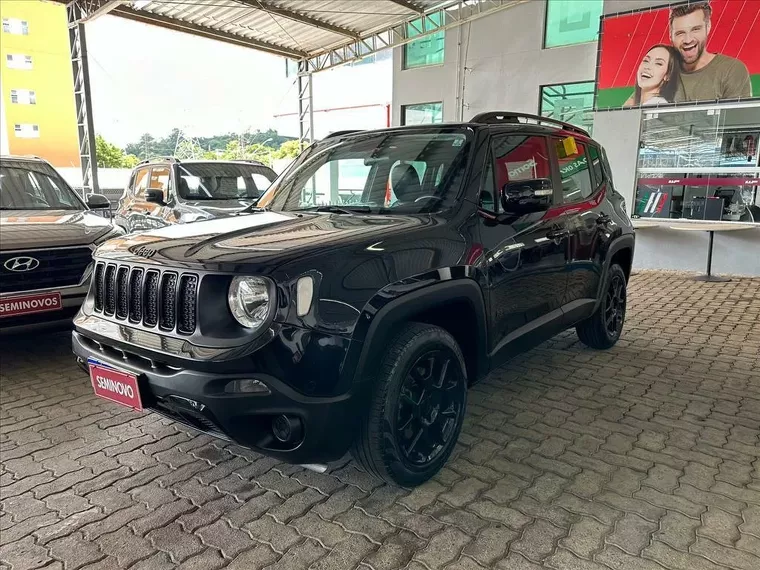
(541, 125)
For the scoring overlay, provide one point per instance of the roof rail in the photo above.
(341, 133)
(496, 117)
(158, 158)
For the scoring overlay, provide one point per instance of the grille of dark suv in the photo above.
(57, 268)
(154, 298)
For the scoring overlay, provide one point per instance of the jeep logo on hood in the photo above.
(145, 252)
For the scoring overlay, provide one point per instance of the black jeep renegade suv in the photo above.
(380, 275)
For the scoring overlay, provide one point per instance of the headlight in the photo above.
(248, 299)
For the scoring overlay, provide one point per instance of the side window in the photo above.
(159, 179)
(576, 176)
(141, 183)
(596, 165)
(518, 158)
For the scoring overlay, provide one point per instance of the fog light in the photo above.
(286, 429)
(246, 386)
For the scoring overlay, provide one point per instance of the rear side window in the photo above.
(141, 183)
(596, 165)
(576, 176)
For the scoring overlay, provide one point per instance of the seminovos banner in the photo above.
(685, 52)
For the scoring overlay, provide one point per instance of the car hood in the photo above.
(255, 238)
(33, 229)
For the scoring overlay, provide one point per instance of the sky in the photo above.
(148, 79)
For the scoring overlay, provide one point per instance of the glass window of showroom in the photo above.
(422, 114)
(571, 22)
(700, 164)
(570, 102)
(427, 50)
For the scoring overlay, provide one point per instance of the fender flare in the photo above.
(625, 241)
(381, 317)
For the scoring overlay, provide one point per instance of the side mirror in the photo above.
(154, 196)
(527, 196)
(97, 201)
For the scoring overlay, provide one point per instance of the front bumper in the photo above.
(197, 398)
(48, 321)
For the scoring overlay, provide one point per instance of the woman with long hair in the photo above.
(657, 77)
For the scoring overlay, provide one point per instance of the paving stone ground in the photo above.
(643, 457)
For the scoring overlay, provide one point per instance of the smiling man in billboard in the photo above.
(705, 76)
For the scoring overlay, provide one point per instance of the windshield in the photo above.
(35, 187)
(223, 181)
(409, 172)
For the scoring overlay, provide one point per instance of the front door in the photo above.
(526, 254)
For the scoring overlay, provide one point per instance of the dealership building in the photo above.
(689, 172)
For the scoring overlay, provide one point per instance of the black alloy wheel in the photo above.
(417, 406)
(429, 408)
(614, 306)
(603, 329)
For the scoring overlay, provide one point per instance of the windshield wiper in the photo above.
(336, 209)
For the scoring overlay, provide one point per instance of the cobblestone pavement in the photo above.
(643, 457)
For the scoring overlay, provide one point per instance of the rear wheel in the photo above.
(417, 407)
(603, 329)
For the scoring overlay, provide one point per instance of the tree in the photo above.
(288, 149)
(130, 161)
(111, 156)
(108, 155)
(145, 148)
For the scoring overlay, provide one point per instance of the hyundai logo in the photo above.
(22, 263)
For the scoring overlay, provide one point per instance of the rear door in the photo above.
(587, 219)
(159, 215)
(133, 211)
(526, 254)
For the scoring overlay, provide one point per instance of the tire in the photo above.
(603, 329)
(395, 432)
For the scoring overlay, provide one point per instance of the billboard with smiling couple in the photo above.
(681, 53)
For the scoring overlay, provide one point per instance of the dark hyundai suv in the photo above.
(168, 191)
(313, 325)
(47, 235)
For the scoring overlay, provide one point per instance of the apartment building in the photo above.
(37, 112)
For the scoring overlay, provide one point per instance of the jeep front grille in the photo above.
(165, 299)
(168, 301)
(151, 299)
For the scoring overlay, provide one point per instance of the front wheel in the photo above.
(603, 329)
(417, 407)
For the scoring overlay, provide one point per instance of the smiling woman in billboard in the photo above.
(657, 78)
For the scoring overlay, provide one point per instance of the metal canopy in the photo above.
(318, 34)
(325, 33)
